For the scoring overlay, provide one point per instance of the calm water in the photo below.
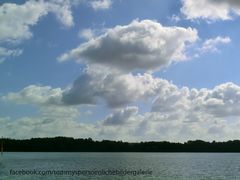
(166, 166)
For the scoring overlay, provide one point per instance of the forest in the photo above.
(68, 144)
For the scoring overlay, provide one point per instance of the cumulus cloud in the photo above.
(52, 121)
(173, 125)
(16, 19)
(101, 4)
(142, 44)
(34, 94)
(147, 127)
(93, 86)
(125, 124)
(62, 10)
(172, 102)
(122, 116)
(115, 89)
(210, 9)
(219, 102)
(178, 114)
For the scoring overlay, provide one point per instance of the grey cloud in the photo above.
(143, 45)
(121, 117)
(96, 84)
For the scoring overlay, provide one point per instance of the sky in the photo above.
(139, 70)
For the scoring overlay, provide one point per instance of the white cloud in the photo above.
(143, 45)
(210, 9)
(149, 127)
(158, 126)
(6, 53)
(178, 114)
(101, 4)
(52, 121)
(62, 10)
(175, 18)
(16, 20)
(124, 89)
(94, 86)
(125, 124)
(33, 94)
(220, 102)
(211, 45)
(87, 34)
(53, 118)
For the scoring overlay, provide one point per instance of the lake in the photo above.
(166, 166)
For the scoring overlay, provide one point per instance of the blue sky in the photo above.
(30, 63)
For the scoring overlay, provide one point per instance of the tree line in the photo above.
(67, 144)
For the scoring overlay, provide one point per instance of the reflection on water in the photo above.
(166, 166)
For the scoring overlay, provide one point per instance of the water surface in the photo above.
(166, 166)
